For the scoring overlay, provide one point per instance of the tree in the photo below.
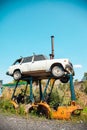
(84, 77)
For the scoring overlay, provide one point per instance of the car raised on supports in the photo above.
(40, 67)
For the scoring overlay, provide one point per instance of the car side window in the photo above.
(27, 59)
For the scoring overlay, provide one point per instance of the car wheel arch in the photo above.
(57, 70)
(16, 70)
(55, 64)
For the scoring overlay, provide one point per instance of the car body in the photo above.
(40, 67)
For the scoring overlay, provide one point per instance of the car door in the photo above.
(26, 65)
(38, 66)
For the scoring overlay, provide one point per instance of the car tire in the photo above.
(17, 75)
(57, 71)
(64, 79)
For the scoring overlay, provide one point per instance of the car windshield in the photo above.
(18, 61)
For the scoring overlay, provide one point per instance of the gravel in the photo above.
(19, 123)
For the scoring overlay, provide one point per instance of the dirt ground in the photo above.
(19, 123)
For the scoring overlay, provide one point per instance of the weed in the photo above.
(6, 106)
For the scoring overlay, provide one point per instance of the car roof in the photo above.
(29, 58)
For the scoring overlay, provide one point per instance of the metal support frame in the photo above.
(43, 94)
(14, 90)
(31, 91)
(25, 89)
(46, 88)
(73, 97)
(52, 85)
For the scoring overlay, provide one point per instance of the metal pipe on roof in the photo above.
(52, 48)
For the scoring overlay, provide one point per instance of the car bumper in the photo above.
(70, 70)
(7, 73)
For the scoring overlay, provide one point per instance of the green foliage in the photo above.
(33, 113)
(6, 106)
(64, 87)
(85, 110)
(84, 86)
(82, 117)
(85, 90)
(85, 76)
(20, 110)
(54, 98)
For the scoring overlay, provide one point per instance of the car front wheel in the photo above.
(57, 71)
(17, 75)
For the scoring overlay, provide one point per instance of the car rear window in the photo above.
(39, 57)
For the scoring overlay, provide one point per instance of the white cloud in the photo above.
(77, 66)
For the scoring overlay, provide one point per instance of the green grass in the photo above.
(81, 118)
(85, 110)
(6, 106)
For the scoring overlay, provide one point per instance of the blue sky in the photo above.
(26, 27)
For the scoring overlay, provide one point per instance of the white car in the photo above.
(39, 67)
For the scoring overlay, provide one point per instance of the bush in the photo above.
(21, 110)
(55, 99)
(7, 106)
(85, 90)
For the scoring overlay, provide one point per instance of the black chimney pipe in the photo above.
(52, 48)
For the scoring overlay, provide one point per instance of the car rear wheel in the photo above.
(57, 71)
(17, 75)
(64, 79)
